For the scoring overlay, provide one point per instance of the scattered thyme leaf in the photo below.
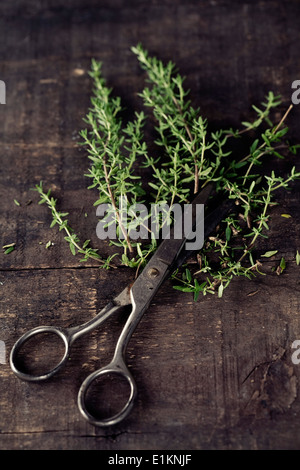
(298, 258)
(9, 250)
(281, 266)
(220, 290)
(268, 254)
(282, 263)
(9, 245)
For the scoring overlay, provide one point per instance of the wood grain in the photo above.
(216, 374)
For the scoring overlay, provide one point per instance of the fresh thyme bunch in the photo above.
(189, 156)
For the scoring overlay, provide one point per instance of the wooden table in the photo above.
(216, 374)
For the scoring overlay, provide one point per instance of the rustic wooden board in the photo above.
(216, 374)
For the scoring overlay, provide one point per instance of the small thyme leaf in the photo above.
(268, 254)
(220, 290)
(281, 266)
(9, 250)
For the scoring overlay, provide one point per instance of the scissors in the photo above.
(170, 255)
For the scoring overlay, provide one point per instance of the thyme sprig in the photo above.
(189, 155)
(59, 218)
(111, 170)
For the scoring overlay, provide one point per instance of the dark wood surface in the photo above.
(216, 374)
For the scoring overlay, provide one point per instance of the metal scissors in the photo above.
(170, 255)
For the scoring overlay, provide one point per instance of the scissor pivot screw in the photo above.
(153, 272)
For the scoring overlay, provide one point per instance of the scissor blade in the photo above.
(172, 252)
(210, 223)
(169, 249)
(123, 298)
(149, 281)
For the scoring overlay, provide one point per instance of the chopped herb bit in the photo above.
(220, 290)
(281, 266)
(8, 248)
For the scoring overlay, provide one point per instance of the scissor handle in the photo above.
(141, 294)
(116, 367)
(62, 333)
(68, 336)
